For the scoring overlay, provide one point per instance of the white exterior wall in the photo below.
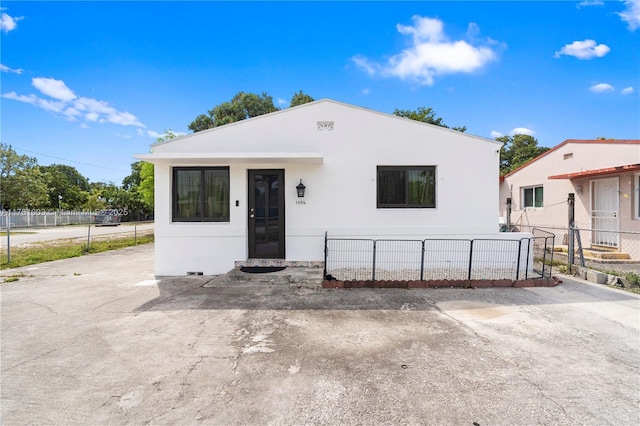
(341, 191)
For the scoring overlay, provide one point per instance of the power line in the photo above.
(69, 161)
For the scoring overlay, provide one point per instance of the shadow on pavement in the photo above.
(188, 293)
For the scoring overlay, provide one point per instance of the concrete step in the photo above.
(294, 276)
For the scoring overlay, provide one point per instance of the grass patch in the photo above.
(66, 249)
(4, 233)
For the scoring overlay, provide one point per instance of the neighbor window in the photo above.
(406, 186)
(200, 194)
(532, 197)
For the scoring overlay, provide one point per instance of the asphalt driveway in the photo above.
(97, 340)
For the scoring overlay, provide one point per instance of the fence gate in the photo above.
(605, 220)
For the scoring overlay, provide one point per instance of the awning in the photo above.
(598, 172)
(230, 158)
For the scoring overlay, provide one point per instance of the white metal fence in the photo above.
(31, 218)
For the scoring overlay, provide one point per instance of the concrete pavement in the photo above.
(98, 340)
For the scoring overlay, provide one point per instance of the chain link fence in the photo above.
(584, 246)
(34, 241)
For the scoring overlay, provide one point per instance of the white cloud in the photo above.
(9, 23)
(495, 134)
(140, 132)
(364, 64)
(627, 90)
(430, 54)
(53, 88)
(123, 135)
(4, 68)
(586, 3)
(282, 102)
(155, 134)
(522, 131)
(366, 91)
(631, 14)
(586, 49)
(601, 88)
(66, 103)
(84, 125)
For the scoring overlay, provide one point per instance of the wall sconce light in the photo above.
(579, 189)
(300, 188)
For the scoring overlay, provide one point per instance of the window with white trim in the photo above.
(532, 197)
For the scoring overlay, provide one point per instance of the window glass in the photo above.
(406, 186)
(537, 198)
(187, 189)
(533, 197)
(201, 194)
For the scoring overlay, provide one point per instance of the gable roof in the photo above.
(575, 141)
(312, 105)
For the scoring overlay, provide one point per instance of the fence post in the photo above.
(373, 271)
(324, 272)
(422, 262)
(571, 236)
(526, 269)
(8, 242)
(508, 214)
(88, 237)
(544, 258)
(518, 262)
(470, 259)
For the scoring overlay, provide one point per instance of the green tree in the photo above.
(26, 188)
(66, 182)
(147, 185)
(242, 106)
(517, 150)
(426, 115)
(300, 98)
(22, 183)
(202, 122)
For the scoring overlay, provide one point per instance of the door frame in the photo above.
(607, 221)
(251, 205)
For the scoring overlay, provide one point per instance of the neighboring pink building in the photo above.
(604, 175)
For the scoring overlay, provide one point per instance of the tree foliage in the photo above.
(22, 183)
(426, 115)
(242, 106)
(66, 182)
(300, 99)
(517, 150)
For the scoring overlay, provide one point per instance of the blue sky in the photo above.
(90, 84)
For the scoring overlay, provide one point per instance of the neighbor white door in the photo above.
(605, 215)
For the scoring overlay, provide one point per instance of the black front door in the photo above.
(266, 214)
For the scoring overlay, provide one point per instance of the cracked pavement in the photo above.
(98, 340)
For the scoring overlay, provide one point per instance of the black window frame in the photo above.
(201, 218)
(406, 204)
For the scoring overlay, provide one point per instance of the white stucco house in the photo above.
(603, 175)
(230, 193)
